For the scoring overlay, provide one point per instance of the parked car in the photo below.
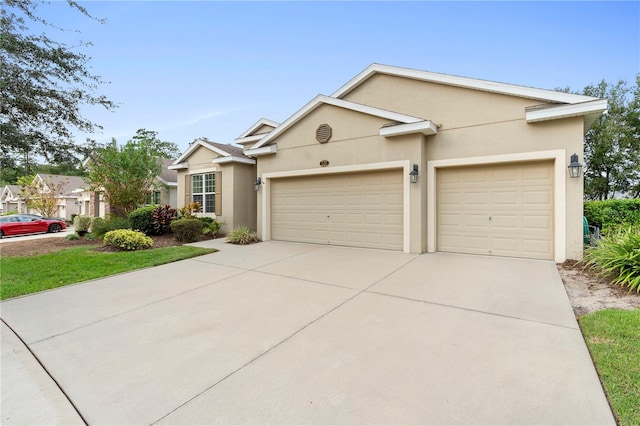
(17, 224)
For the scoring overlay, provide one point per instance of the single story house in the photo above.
(10, 200)
(409, 160)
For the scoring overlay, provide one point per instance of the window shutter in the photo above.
(187, 189)
(218, 197)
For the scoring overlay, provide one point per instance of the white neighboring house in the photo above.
(10, 200)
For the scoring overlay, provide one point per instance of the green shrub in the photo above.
(186, 230)
(212, 228)
(115, 222)
(99, 226)
(617, 256)
(127, 239)
(82, 224)
(242, 235)
(611, 214)
(72, 237)
(206, 221)
(142, 220)
(162, 217)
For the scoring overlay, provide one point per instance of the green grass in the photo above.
(613, 338)
(30, 274)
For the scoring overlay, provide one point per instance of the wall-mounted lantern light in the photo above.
(413, 174)
(575, 167)
(257, 183)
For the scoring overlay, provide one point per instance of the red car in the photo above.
(17, 224)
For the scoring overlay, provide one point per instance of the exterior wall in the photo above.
(265, 128)
(355, 146)
(244, 195)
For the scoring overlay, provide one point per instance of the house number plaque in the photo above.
(324, 163)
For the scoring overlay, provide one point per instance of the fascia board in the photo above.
(249, 139)
(426, 127)
(233, 159)
(326, 100)
(255, 126)
(195, 146)
(265, 150)
(178, 166)
(555, 112)
(466, 82)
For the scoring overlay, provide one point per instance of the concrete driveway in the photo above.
(286, 333)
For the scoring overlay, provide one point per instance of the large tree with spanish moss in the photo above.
(43, 84)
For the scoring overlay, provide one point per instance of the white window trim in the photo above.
(404, 165)
(559, 191)
(204, 193)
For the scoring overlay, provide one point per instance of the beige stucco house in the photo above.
(414, 161)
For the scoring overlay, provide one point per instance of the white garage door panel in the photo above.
(504, 210)
(359, 209)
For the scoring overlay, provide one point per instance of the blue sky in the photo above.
(192, 69)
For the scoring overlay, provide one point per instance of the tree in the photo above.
(40, 195)
(126, 173)
(612, 144)
(43, 84)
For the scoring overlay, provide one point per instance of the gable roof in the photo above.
(167, 175)
(232, 153)
(255, 126)
(340, 103)
(10, 190)
(466, 82)
(66, 184)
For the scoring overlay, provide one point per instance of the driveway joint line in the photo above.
(257, 357)
(428, 302)
(136, 308)
(44, 368)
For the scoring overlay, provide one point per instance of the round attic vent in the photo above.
(323, 133)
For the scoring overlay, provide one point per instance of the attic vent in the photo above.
(323, 133)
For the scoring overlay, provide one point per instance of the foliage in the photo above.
(44, 84)
(613, 338)
(617, 256)
(72, 237)
(211, 227)
(206, 220)
(40, 195)
(186, 230)
(126, 173)
(98, 226)
(610, 214)
(82, 223)
(242, 235)
(612, 144)
(127, 239)
(30, 274)
(162, 218)
(189, 211)
(142, 220)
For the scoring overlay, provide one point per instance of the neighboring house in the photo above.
(11, 201)
(219, 177)
(414, 161)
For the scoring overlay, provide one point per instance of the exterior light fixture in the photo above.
(575, 167)
(257, 183)
(413, 174)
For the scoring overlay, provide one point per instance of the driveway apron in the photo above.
(285, 333)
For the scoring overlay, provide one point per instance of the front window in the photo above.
(203, 191)
(153, 198)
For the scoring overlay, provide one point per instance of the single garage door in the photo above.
(355, 209)
(503, 210)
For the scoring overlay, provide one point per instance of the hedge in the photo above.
(611, 214)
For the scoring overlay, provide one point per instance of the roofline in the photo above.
(249, 139)
(233, 159)
(255, 126)
(341, 103)
(265, 150)
(166, 182)
(466, 82)
(178, 166)
(194, 146)
(426, 127)
(554, 112)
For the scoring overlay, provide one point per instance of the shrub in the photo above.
(127, 239)
(242, 235)
(115, 222)
(611, 214)
(82, 224)
(162, 218)
(212, 228)
(189, 211)
(142, 220)
(206, 221)
(72, 237)
(99, 226)
(186, 230)
(617, 256)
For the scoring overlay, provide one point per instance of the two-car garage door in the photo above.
(348, 209)
(504, 210)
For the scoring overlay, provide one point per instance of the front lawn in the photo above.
(613, 338)
(30, 274)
